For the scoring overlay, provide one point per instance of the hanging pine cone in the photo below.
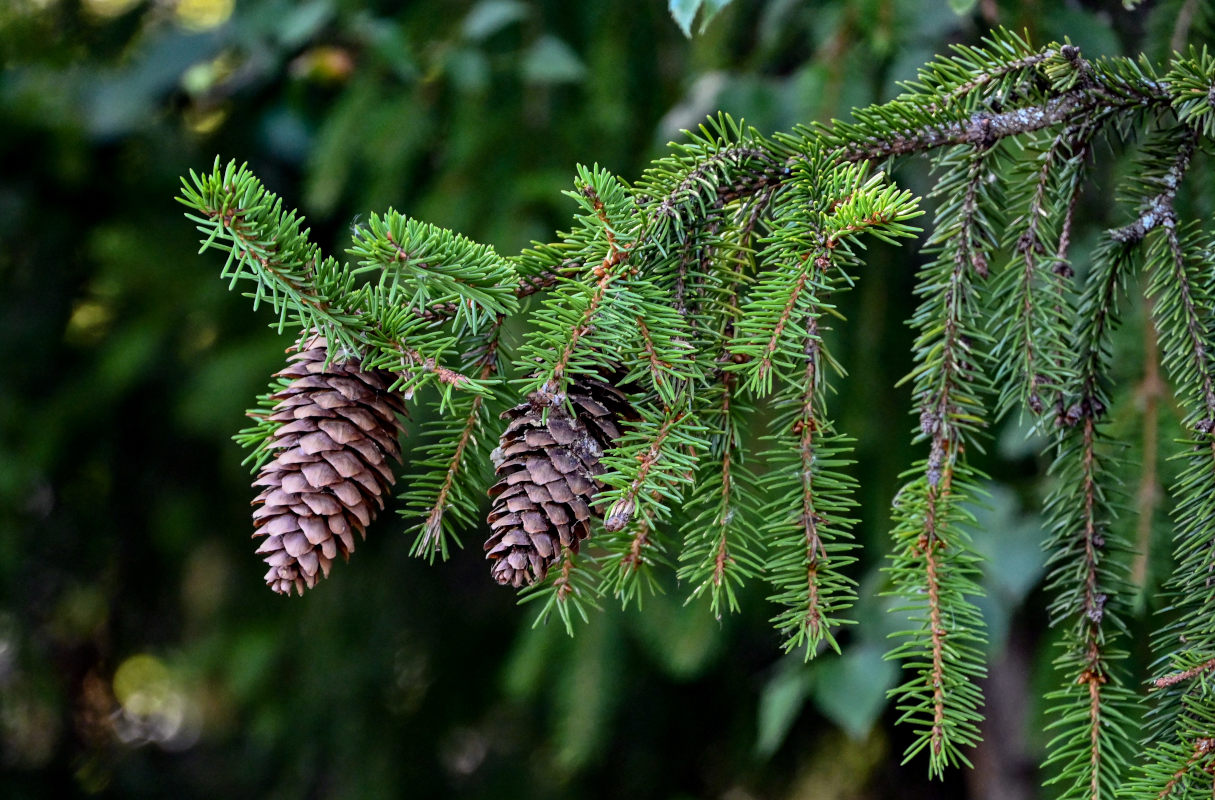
(331, 468)
(548, 476)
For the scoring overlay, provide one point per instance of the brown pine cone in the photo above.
(331, 471)
(548, 477)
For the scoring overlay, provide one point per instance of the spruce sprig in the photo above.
(706, 291)
(807, 526)
(1093, 712)
(932, 568)
(443, 495)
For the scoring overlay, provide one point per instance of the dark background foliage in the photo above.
(140, 653)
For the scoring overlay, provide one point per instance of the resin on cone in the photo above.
(331, 468)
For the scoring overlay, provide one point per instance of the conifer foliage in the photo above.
(667, 405)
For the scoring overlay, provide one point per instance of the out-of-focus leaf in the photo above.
(490, 16)
(780, 701)
(468, 69)
(1010, 543)
(125, 99)
(962, 7)
(850, 689)
(684, 13)
(551, 60)
(387, 41)
(303, 21)
(711, 10)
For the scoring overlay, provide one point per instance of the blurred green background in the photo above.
(140, 653)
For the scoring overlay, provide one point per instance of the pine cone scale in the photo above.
(342, 433)
(345, 464)
(315, 529)
(537, 493)
(320, 474)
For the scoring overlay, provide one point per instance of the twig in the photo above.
(815, 549)
(432, 529)
(1177, 677)
(231, 222)
(669, 206)
(605, 272)
(1158, 210)
(725, 511)
(1093, 608)
(986, 77)
(1202, 746)
(982, 128)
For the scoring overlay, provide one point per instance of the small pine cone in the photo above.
(548, 476)
(331, 468)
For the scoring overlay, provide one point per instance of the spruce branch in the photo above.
(932, 569)
(1203, 747)
(721, 163)
(583, 323)
(1093, 709)
(653, 461)
(420, 265)
(922, 120)
(1157, 209)
(806, 524)
(1182, 767)
(1021, 63)
(267, 245)
(1182, 297)
(1086, 588)
(569, 591)
(677, 311)
(1031, 292)
(1191, 81)
(981, 129)
(631, 558)
(721, 547)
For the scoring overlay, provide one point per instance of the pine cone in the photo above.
(548, 477)
(331, 472)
